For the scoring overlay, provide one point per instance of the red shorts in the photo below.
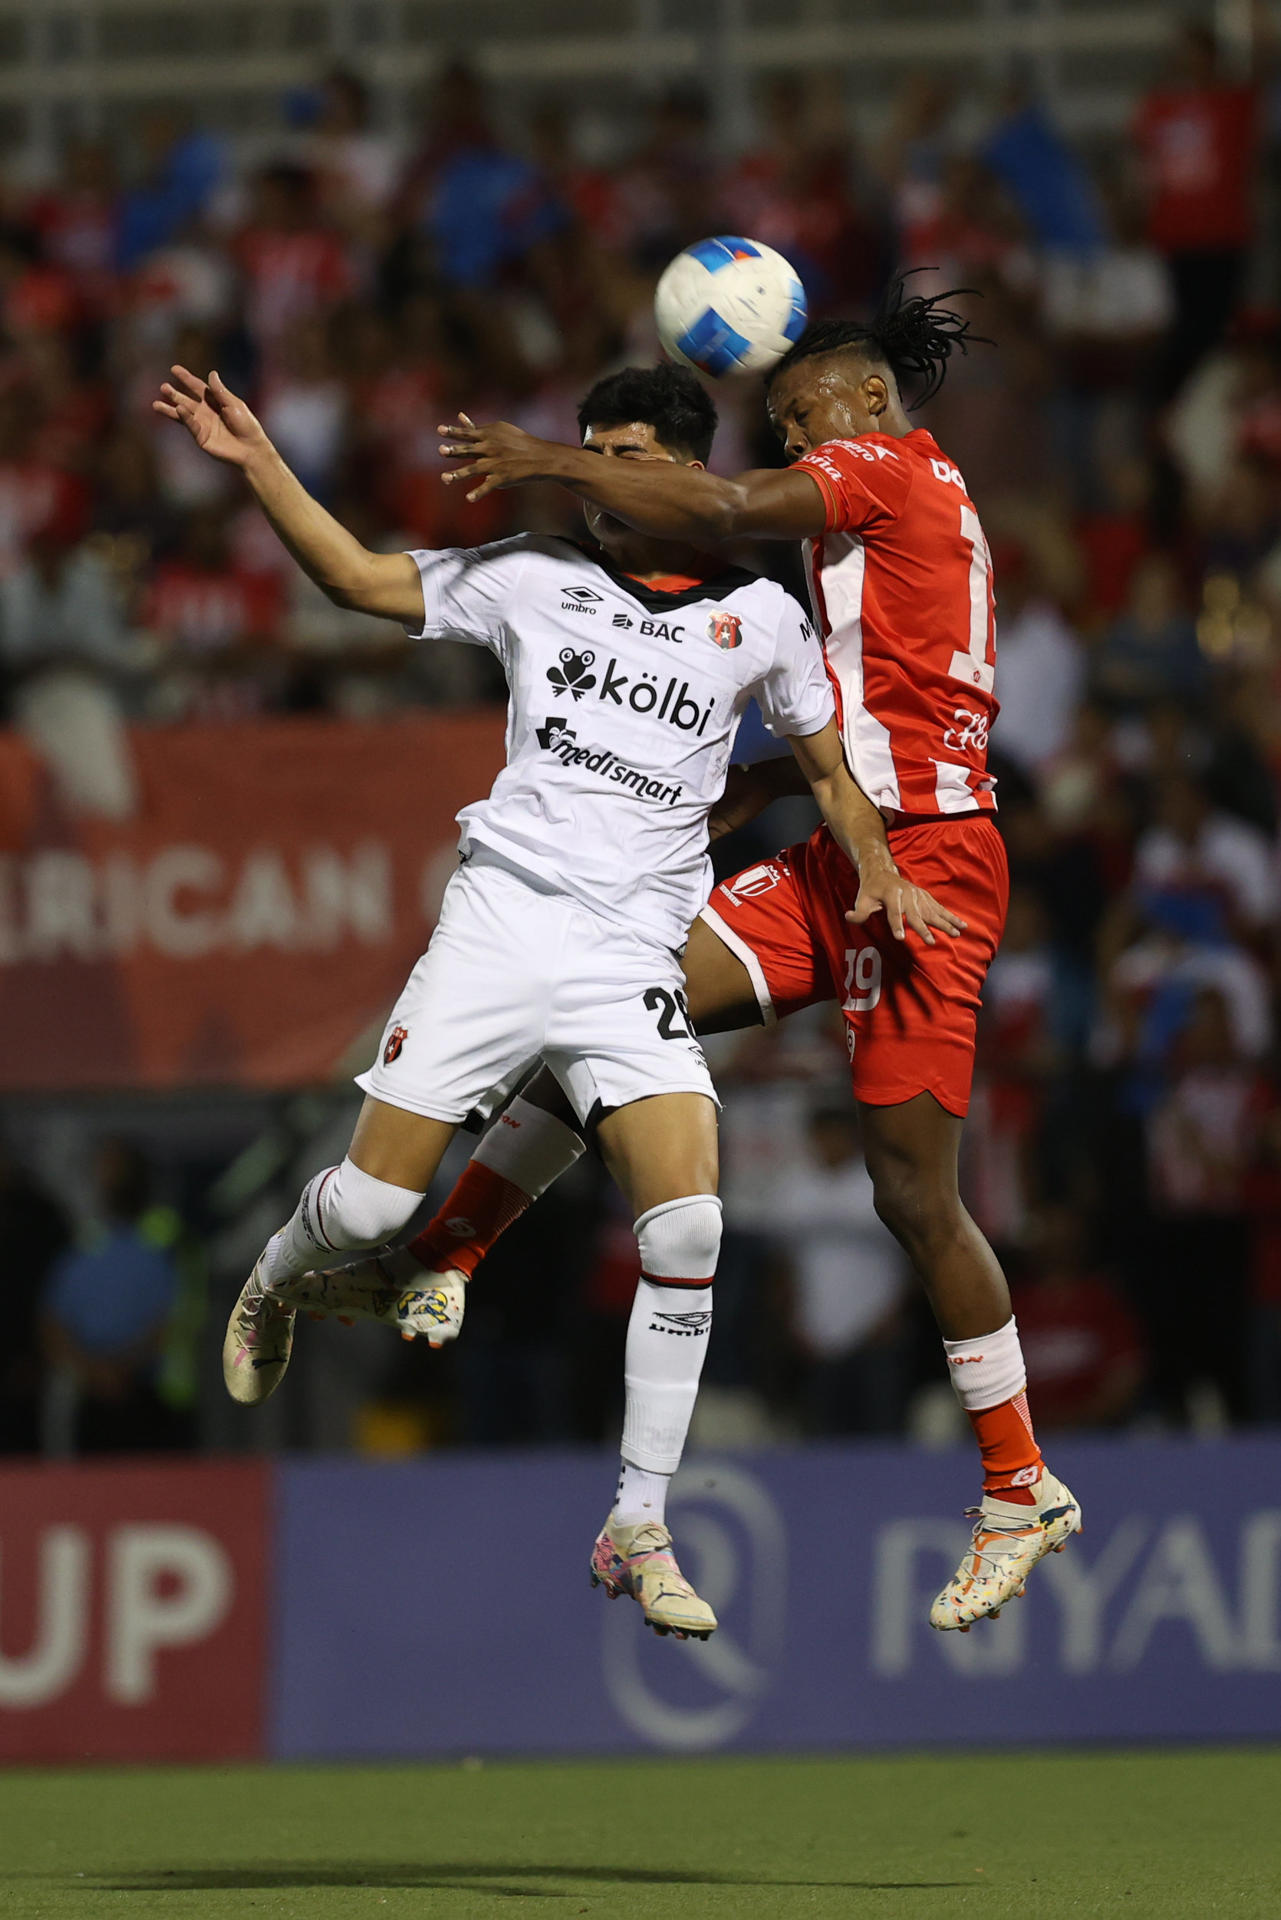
(909, 1009)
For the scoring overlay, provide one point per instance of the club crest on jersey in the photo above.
(572, 675)
(395, 1041)
(726, 629)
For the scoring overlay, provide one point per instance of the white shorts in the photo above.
(512, 973)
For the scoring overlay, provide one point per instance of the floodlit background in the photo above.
(225, 807)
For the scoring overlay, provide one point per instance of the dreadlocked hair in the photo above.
(914, 336)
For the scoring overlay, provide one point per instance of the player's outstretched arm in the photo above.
(859, 830)
(667, 501)
(223, 427)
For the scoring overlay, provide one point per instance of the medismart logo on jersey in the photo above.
(558, 737)
(640, 692)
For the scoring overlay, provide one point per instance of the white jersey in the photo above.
(624, 701)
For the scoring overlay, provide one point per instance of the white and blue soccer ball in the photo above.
(728, 306)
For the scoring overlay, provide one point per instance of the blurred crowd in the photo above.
(1123, 440)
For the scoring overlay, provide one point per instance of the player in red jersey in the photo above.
(901, 579)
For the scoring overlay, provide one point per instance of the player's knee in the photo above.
(356, 1210)
(912, 1202)
(681, 1240)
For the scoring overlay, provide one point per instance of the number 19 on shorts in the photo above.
(862, 979)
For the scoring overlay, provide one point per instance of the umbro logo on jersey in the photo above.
(571, 676)
(579, 600)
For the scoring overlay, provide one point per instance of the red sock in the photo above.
(481, 1207)
(1011, 1457)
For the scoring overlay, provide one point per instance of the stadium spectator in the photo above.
(1197, 135)
(1083, 1345)
(106, 1314)
(1150, 651)
(1201, 1145)
(846, 1284)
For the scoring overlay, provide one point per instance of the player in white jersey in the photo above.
(561, 933)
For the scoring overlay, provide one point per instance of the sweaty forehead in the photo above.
(825, 376)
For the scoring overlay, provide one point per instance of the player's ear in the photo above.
(700, 464)
(876, 394)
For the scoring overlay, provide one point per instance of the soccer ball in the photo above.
(729, 306)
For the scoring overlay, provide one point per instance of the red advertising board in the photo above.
(252, 924)
(133, 1611)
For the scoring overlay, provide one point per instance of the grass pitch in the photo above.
(1169, 1834)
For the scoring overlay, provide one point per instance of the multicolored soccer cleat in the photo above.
(1008, 1541)
(639, 1560)
(390, 1287)
(258, 1341)
(260, 1332)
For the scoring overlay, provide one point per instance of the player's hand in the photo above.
(497, 456)
(882, 889)
(220, 424)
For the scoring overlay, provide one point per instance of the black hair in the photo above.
(915, 337)
(667, 398)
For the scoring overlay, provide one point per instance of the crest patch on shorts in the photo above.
(395, 1041)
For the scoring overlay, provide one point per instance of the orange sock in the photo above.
(1011, 1457)
(481, 1207)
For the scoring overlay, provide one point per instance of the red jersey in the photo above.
(1200, 150)
(902, 586)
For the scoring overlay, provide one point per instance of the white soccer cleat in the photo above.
(1008, 1541)
(258, 1341)
(639, 1560)
(390, 1287)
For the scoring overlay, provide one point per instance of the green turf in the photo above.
(1191, 1833)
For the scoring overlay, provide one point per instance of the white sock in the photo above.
(641, 1495)
(666, 1347)
(529, 1147)
(340, 1209)
(987, 1371)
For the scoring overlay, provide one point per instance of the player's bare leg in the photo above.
(362, 1202)
(662, 1152)
(912, 1150)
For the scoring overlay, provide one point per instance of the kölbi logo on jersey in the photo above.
(640, 692)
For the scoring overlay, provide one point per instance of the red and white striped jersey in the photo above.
(902, 587)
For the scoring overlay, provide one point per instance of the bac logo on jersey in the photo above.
(579, 600)
(653, 629)
(571, 676)
(726, 629)
(395, 1041)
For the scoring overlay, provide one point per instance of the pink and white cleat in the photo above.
(258, 1341)
(639, 1560)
